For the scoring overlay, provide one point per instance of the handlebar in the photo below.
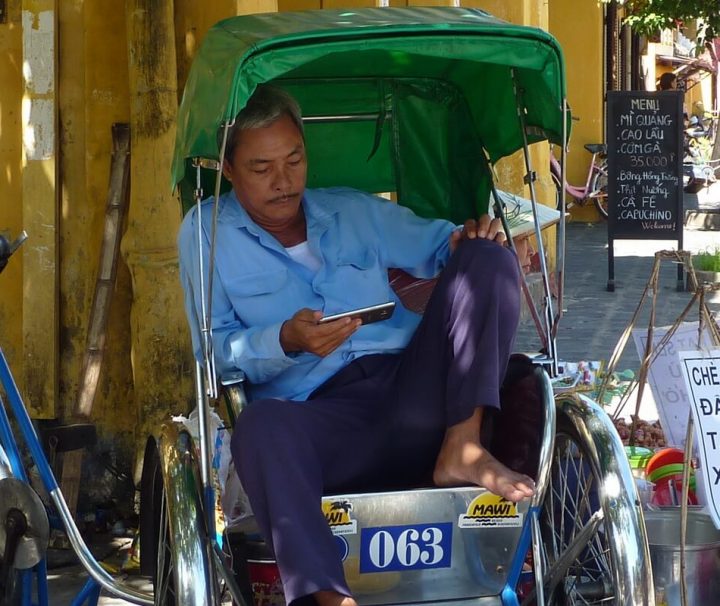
(7, 248)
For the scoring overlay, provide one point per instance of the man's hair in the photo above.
(265, 107)
(667, 80)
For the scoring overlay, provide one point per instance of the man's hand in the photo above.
(303, 333)
(485, 227)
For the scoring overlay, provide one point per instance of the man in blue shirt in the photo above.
(341, 406)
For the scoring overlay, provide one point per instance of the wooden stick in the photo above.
(115, 211)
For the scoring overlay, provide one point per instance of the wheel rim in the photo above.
(164, 571)
(571, 500)
(599, 185)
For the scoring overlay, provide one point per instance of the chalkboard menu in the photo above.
(645, 146)
(644, 140)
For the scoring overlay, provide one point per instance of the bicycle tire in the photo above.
(599, 187)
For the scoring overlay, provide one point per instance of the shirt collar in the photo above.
(318, 211)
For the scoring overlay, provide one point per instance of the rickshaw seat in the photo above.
(481, 533)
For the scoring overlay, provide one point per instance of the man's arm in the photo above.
(255, 350)
(420, 246)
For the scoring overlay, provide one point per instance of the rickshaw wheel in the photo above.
(163, 571)
(599, 184)
(174, 536)
(572, 515)
(155, 536)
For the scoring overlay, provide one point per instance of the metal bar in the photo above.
(345, 118)
(26, 428)
(228, 577)
(208, 491)
(499, 206)
(42, 584)
(684, 507)
(203, 316)
(10, 461)
(499, 210)
(89, 593)
(534, 313)
(90, 564)
(548, 310)
(561, 229)
(538, 564)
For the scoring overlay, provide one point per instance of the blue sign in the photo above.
(414, 547)
(343, 547)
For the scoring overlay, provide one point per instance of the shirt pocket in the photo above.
(256, 296)
(361, 260)
(255, 284)
(357, 280)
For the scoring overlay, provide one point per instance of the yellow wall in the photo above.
(578, 26)
(11, 180)
(92, 98)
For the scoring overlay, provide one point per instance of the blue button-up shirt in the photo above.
(257, 285)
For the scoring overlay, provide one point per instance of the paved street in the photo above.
(594, 318)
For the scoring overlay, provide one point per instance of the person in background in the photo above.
(668, 81)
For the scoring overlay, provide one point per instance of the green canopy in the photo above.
(431, 89)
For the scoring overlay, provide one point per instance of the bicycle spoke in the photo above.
(571, 503)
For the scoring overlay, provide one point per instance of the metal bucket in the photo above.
(702, 557)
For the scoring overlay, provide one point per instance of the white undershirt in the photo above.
(301, 253)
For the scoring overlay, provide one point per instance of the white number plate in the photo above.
(392, 548)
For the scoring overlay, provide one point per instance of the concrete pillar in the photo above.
(40, 206)
(161, 353)
(11, 208)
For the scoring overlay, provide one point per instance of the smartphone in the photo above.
(368, 315)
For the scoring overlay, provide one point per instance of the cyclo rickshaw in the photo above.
(419, 103)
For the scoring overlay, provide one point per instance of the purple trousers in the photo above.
(380, 421)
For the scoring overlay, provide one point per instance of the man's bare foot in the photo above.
(333, 598)
(475, 465)
(463, 460)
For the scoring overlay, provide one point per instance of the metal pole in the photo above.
(530, 181)
(561, 229)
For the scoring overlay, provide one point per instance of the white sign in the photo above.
(665, 376)
(702, 377)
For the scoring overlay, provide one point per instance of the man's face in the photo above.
(268, 171)
(525, 251)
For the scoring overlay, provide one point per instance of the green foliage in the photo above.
(650, 16)
(708, 260)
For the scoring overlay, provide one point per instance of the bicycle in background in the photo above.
(595, 188)
(24, 521)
